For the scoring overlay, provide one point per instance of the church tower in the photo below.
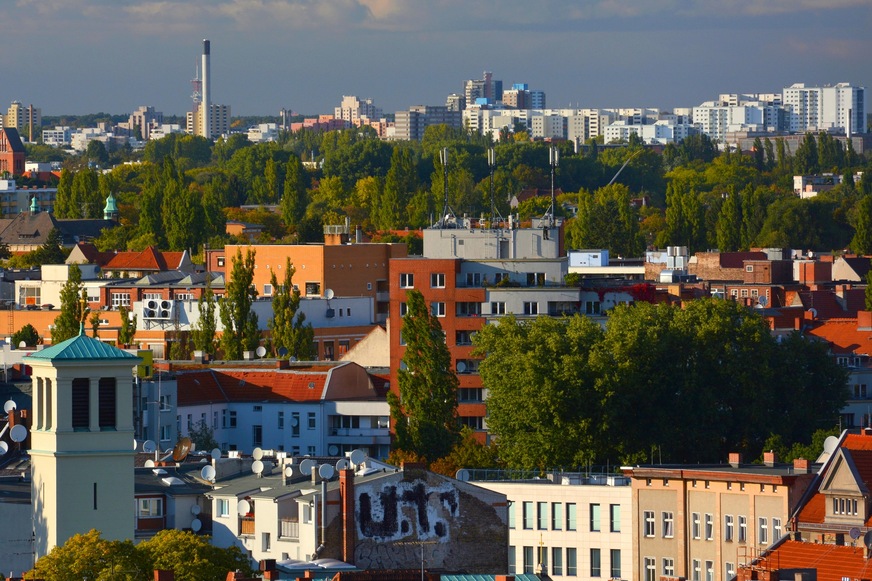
(82, 441)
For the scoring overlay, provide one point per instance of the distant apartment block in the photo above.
(410, 125)
(839, 108)
(144, 119)
(14, 200)
(355, 110)
(219, 121)
(57, 137)
(27, 119)
(263, 132)
(486, 89)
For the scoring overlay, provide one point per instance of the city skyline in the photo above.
(85, 56)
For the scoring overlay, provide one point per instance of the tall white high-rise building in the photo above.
(840, 108)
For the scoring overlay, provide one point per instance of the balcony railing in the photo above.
(290, 529)
(246, 525)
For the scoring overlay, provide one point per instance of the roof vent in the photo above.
(311, 385)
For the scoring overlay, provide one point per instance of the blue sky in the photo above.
(81, 56)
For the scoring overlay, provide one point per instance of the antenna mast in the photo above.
(553, 160)
(446, 209)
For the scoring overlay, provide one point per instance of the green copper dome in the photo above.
(111, 210)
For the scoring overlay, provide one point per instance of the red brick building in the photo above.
(11, 152)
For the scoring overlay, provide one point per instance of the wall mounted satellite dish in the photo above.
(855, 533)
(830, 444)
(357, 457)
(216, 454)
(763, 301)
(867, 539)
(4, 447)
(149, 447)
(342, 465)
(18, 433)
(329, 294)
(333, 449)
(135, 445)
(283, 351)
(257, 467)
(462, 475)
(180, 452)
(208, 473)
(195, 509)
(196, 525)
(261, 351)
(243, 507)
(306, 466)
(9, 406)
(326, 471)
(289, 471)
(149, 463)
(461, 367)
(257, 454)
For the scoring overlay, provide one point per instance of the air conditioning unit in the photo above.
(149, 314)
(164, 315)
(166, 305)
(151, 304)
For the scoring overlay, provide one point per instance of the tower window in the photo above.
(107, 403)
(81, 407)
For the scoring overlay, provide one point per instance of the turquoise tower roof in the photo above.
(81, 347)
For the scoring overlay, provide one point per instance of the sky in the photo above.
(88, 56)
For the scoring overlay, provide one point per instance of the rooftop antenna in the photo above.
(492, 163)
(446, 209)
(553, 161)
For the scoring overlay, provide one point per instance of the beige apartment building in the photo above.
(699, 522)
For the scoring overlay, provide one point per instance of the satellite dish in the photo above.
(195, 509)
(462, 475)
(306, 466)
(326, 471)
(293, 359)
(329, 294)
(135, 445)
(180, 452)
(261, 351)
(830, 444)
(257, 454)
(295, 421)
(461, 366)
(243, 507)
(867, 539)
(813, 313)
(9, 406)
(216, 454)
(763, 301)
(18, 433)
(341, 465)
(149, 463)
(257, 467)
(149, 447)
(289, 471)
(208, 473)
(4, 447)
(283, 351)
(196, 525)
(855, 533)
(333, 449)
(357, 457)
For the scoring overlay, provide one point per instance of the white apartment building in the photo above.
(838, 108)
(263, 132)
(354, 110)
(572, 526)
(219, 121)
(57, 137)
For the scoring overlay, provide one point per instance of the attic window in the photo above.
(749, 268)
(311, 385)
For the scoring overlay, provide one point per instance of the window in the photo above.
(232, 418)
(265, 542)
(267, 290)
(845, 506)
(650, 569)
(295, 424)
(164, 433)
(498, 308)
(313, 289)
(511, 559)
(542, 515)
(556, 516)
(762, 530)
(669, 566)
(557, 561)
(437, 280)
(743, 529)
(310, 420)
(595, 565)
(257, 436)
(81, 405)
(528, 560)
(468, 309)
(570, 517)
(470, 394)
(531, 308)
(281, 421)
(729, 570)
(407, 280)
(107, 403)
(615, 556)
(220, 261)
(463, 337)
(615, 518)
(595, 518)
(776, 528)
(697, 570)
(511, 514)
(695, 525)
(592, 307)
(860, 391)
(404, 308)
(709, 527)
(668, 530)
(571, 561)
(749, 268)
(649, 523)
(473, 279)
(728, 528)
(709, 571)
(528, 515)
(119, 300)
(437, 309)
(535, 279)
(223, 507)
(149, 507)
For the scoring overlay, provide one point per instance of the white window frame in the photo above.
(437, 280)
(407, 280)
(668, 524)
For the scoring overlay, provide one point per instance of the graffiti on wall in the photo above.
(400, 509)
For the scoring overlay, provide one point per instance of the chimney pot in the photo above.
(769, 458)
(735, 459)
(800, 465)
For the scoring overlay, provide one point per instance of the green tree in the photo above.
(192, 557)
(861, 243)
(868, 292)
(96, 152)
(607, 219)
(288, 324)
(239, 320)
(73, 307)
(27, 334)
(51, 251)
(203, 436)
(425, 413)
(729, 225)
(89, 556)
(293, 203)
(64, 204)
(94, 320)
(127, 330)
(543, 405)
(206, 326)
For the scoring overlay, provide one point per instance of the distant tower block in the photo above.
(206, 104)
(80, 441)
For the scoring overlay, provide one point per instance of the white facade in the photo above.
(841, 108)
(263, 132)
(57, 137)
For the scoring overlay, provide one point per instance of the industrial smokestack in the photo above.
(206, 103)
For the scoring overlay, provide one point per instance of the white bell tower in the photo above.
(82, 441)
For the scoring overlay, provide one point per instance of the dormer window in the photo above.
(846, 506)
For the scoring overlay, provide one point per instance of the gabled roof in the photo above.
(827, 305)
(82, 347)
(844, 336)
(832, 562)
(149, 259)
(14, 140)
(245, 385)
(859, 264)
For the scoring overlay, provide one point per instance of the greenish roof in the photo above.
(82, 347)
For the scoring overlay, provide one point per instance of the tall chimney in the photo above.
(346, 491)
(205, 102)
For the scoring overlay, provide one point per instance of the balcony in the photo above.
(246, 526)
(360, 432)
(289, 529)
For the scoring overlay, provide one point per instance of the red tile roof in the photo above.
(148, 259)
(243, 385)
(858, 450)
(843, 336)
(828, 306)
(832, 562)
